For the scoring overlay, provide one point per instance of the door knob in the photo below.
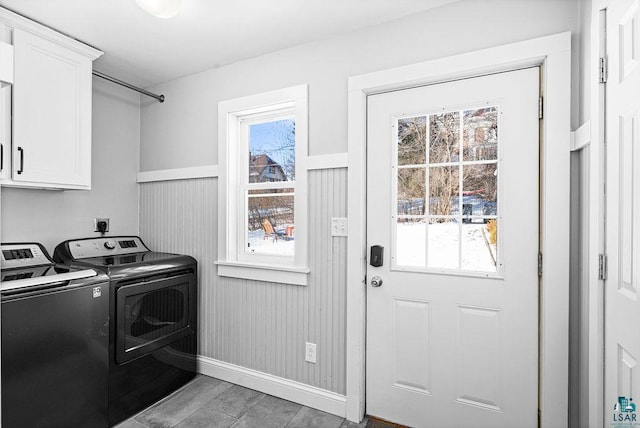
(376, 281)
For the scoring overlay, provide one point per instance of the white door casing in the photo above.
(448, 347)
(553, 53)
(622, 296)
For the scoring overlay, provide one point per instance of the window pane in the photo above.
(272, 151)
(479, 190)
(454, 225)
(444, 137)
(412, 141)
(270, 224)
(479, 250)
(411, 191)
(480, 134)
(444, 188)
(410, 242)
(443, 243)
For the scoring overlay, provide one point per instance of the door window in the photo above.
(446, 192)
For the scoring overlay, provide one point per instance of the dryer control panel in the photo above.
(107, 246)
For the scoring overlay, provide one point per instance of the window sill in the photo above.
(267, 273)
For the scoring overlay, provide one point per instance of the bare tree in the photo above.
(444, 148)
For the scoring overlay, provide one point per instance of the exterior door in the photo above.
(452, 197)
(622, 297)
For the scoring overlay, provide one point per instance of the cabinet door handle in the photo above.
(1, 157)
(21, 150)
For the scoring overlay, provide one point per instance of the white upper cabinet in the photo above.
(51, 109)
(6, 64)
(51, 113)
(5, 133)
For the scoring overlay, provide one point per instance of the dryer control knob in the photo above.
(110, 245)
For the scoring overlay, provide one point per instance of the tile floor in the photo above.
(209, 402)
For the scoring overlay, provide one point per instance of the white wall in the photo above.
(52, 216)
(182, 131)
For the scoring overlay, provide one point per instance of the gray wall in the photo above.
(182, 132)
(260, 325)
(52, 216)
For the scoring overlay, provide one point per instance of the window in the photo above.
(447, 191)
(269, 185)
(262, 226)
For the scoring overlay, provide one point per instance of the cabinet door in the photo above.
(51, 113)
(5, 133)
(5, 116)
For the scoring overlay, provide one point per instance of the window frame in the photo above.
(234, 118)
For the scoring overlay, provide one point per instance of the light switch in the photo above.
(338, 226)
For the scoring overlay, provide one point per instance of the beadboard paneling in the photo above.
(259, 325)
(181, 217)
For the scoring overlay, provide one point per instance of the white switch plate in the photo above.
(338, 226)
(310, 352)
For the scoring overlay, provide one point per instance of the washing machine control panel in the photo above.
(23, 255)
(108, 246)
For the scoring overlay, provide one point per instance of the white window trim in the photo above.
(230, 262)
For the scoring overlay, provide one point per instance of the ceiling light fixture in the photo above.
(161, 8)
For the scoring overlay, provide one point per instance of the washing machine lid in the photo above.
(42, 275)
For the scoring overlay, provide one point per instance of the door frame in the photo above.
(591, 377)
(553, 54)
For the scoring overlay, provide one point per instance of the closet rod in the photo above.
(127, 85)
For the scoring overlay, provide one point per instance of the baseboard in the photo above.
(297, 392)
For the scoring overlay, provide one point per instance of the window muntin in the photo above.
(446, 175)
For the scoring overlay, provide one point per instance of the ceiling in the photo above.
(145, 50)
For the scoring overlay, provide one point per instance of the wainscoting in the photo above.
(261, 326)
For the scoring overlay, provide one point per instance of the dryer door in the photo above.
(152, 314)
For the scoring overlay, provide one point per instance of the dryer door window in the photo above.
(152, 314)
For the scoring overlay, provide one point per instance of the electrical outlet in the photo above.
(310, 352)
(98, 223)
(338, 226)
